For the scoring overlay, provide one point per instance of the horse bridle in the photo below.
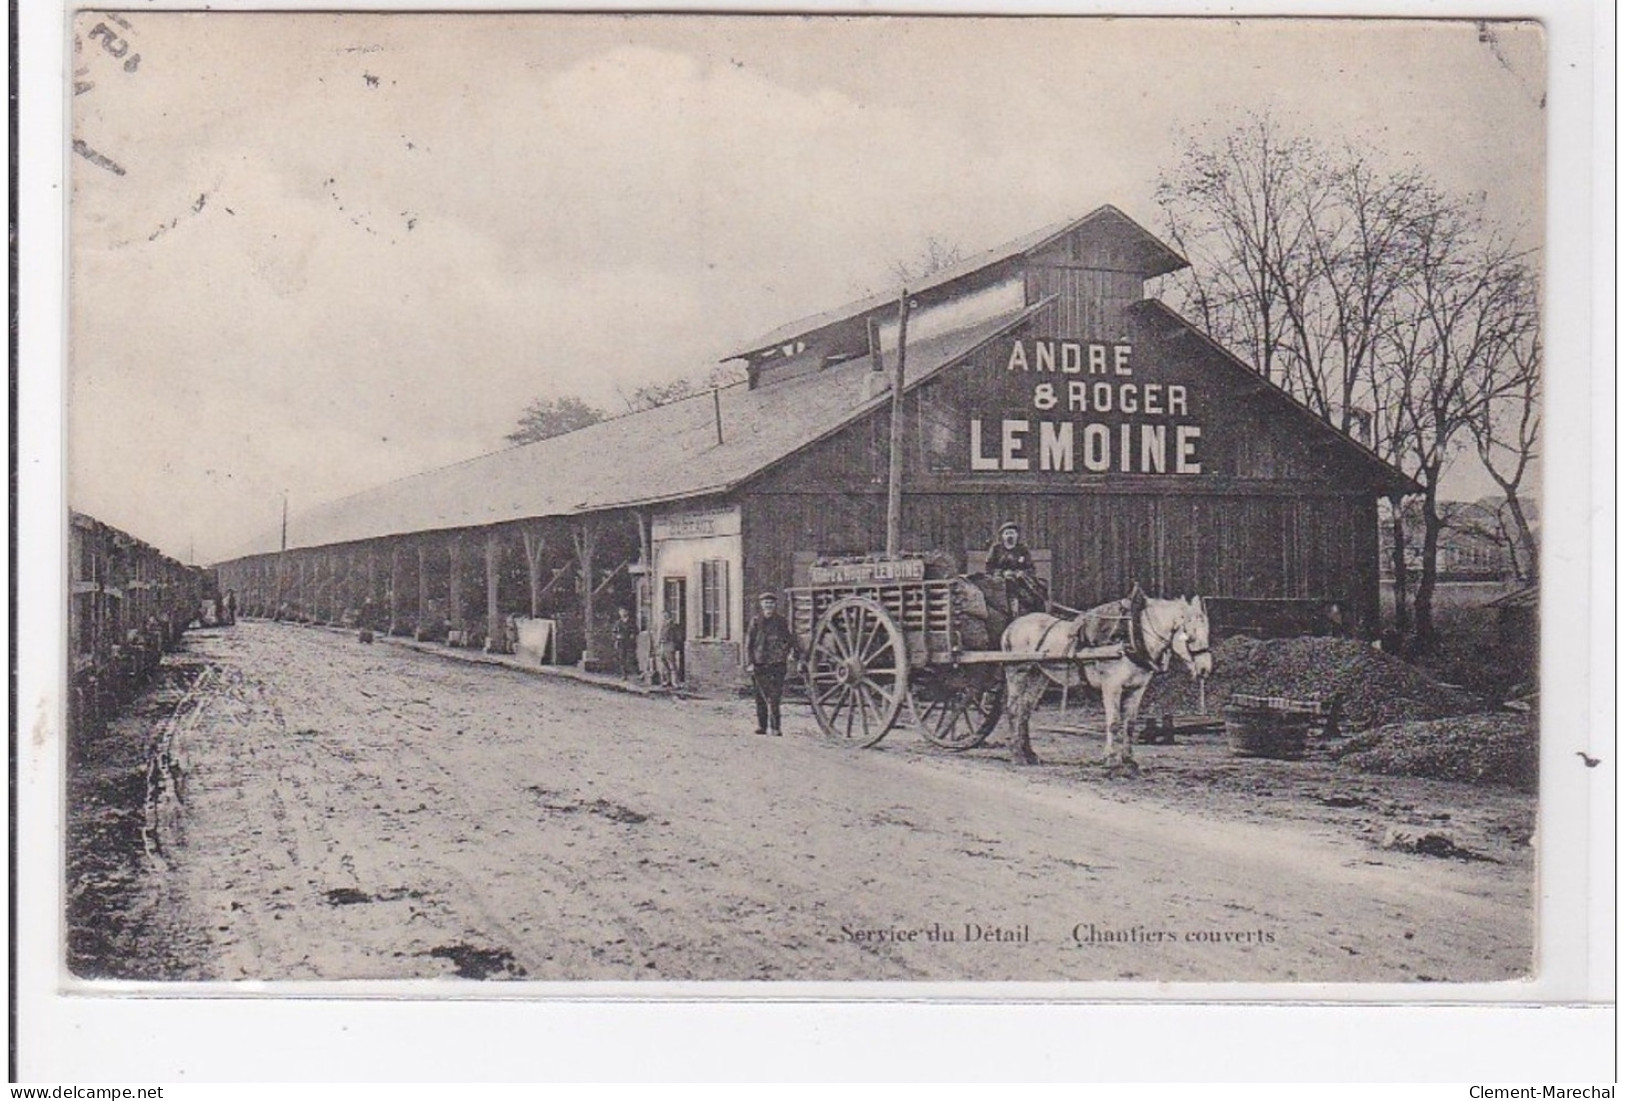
(1159, 660)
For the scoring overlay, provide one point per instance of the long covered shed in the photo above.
(1042, 386)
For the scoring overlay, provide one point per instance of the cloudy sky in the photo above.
(316, 252)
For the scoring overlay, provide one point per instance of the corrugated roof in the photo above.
(670, 452)
(1160, 260)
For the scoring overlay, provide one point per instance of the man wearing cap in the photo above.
(1010, 559)
(769, 646)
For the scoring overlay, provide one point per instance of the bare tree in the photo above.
(652, 395)
(1450, 347)
(1295, 256)
(1238, 210)
(1506, 431)
(938, 255)
(1370, 296)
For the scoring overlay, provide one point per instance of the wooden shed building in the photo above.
(1042, 386)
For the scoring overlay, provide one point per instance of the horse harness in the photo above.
(1137, 650)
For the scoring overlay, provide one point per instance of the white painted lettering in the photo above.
(1055, 446)
(978, 461)
(1103, 397)
(1077, 396)
(1185, 437)
(1128, 398)
(1071, 357)
(1097, 446)
(1018, 358)
(1097, 359)
(1125, 452)
(1153, 448)
(1010, 455)
(1120, 355)
(1176, 401)
(1152, 392)
(1046, 355)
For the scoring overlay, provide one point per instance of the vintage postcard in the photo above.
(559, 500)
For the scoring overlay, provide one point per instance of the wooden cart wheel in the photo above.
(964, 710)
(857, 673)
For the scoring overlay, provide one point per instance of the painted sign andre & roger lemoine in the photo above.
(1073, 405)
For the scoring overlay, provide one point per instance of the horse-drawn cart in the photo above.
(885, 644)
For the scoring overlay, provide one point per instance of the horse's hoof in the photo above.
(1119, 764)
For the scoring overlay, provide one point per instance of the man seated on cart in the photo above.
(1011, 561)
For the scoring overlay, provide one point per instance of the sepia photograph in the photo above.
(714, 499)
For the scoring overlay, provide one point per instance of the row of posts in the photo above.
(324, 585)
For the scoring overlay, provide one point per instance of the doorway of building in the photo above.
(674, 600)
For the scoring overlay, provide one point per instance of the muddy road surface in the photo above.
(328, 810)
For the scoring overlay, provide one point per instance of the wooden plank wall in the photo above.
(1091, 302)
(1321, 548)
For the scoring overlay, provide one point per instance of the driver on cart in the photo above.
(1010, 560)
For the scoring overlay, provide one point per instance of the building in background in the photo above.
(1042, 386)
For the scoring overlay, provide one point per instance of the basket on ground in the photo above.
(1263, 732)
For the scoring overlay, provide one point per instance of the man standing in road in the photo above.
(769, 646)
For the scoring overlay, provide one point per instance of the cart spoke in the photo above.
(874, 626)
(859, 673)
(882, 644)
(820, 697)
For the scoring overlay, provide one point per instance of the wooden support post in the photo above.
(496, 640)
(611, 576)
(646, 612)
(585, 538)
(335, 589)
(558, 575)
(423, 591)
(535, 547)
(894, 465)
(454, 588)
(395, 589)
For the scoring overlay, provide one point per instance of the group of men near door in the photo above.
(666, 660)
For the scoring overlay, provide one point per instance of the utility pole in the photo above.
(281, 559)
(894, 470)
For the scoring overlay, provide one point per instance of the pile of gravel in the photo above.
(1375, 688)
(1501, 749)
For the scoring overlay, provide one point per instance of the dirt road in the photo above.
(349, 811)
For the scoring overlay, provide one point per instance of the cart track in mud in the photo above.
(370, 812)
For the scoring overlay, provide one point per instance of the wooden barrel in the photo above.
(1254, 732)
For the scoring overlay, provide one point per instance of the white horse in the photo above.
(1150, 632)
